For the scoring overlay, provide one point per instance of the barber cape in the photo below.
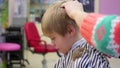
(82, 55)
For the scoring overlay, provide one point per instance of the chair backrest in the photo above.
(32, 35)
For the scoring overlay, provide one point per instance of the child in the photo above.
(65, 35)
(102, 31)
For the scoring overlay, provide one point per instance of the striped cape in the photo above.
(90, 58)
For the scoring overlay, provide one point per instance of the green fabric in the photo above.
(102, 33)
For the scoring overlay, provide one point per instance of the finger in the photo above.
(69, 1)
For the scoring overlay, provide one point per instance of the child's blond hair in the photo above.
(56, 20)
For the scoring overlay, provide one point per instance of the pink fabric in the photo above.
(9, 47)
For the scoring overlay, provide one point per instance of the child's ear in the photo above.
(71, 29)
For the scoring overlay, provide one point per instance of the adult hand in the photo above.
(74, 9)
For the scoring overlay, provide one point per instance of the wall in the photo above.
(109, 6)
(11, 5)
(17, 12)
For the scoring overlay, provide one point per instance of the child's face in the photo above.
(62, 43)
